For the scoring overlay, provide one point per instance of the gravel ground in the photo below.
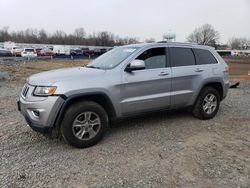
(162, 150)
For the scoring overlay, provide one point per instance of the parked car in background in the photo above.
(87, 51)
(75, 51)
(38, 50)
(97, 51)
(243, 54)
(5, 53)
(126, 81)
(50, 47)
(46, 52)
(100, 51)
(103, 50)
(16, 51)
(28, 52)
(61, 50)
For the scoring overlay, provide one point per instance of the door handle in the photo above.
(199, 70)
(163, 74)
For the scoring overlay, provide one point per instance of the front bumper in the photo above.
(40, 115)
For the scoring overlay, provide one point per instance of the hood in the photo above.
(49, 78)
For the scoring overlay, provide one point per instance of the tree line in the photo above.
(78, 37)
(205, 35)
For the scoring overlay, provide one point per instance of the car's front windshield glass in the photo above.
(112, 58)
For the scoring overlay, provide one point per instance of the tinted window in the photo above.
(204, 57)
(182, 57)
(154, 58)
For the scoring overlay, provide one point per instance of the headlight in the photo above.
(44, 90)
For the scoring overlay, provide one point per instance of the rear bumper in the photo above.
(47, 109)
(226, 87)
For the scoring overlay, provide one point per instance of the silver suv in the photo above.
(126, 81)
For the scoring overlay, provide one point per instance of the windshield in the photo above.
(112, 58)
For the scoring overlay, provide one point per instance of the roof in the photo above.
(171, 44)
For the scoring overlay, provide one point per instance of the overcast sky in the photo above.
(133, 18)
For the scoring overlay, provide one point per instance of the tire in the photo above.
(201, 107)
(78, 119)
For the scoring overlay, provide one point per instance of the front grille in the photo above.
(25, 90)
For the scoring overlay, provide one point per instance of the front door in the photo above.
(148, 89)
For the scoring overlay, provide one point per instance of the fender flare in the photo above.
(72, 98)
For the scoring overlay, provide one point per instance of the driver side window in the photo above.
(154, 58)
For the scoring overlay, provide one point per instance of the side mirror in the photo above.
(135, 65)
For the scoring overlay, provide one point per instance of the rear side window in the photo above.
(154, 58)
(204, 57)
(182, 57)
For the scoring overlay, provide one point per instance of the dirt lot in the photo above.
(238, 67)
(162, 150)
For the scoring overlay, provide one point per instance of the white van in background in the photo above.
(8, 45)
(61, 50)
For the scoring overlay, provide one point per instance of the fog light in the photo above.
(36, 113)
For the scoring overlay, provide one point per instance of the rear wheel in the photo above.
(207, 104)
(84, 124)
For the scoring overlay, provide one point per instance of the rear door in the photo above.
(148, 89)
(206, 63)
(185, 76)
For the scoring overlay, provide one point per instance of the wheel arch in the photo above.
(214, 84)
(98, 97)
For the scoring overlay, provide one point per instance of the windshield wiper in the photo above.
(91, 66)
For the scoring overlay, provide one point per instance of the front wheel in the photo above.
(84, 124)
(207, 104)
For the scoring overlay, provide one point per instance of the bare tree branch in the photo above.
(239, 43)
(205, 35)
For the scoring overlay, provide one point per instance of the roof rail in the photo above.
(178, 42)
(163, 41)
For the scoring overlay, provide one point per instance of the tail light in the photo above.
(226, 72)
(227, 69)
